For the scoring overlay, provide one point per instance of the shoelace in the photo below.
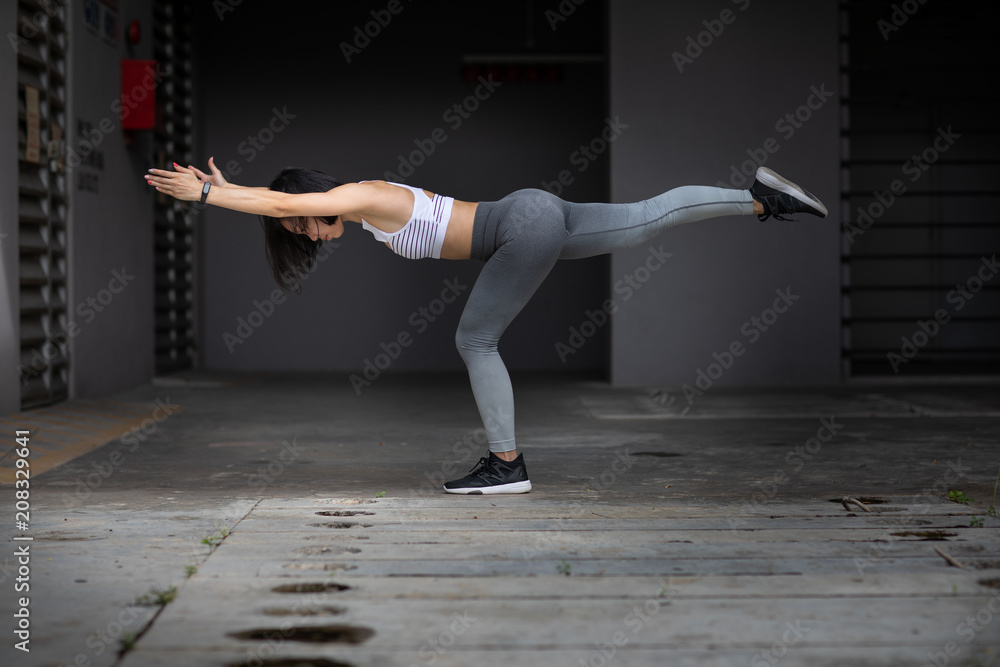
(771, 203)
(483, 468)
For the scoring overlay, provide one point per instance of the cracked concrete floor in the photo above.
(290, 522)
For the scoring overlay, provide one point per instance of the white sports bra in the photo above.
(423, 234)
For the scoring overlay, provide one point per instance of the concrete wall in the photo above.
(10, 348)
(354, 120)
(691, 121)
(111, 220)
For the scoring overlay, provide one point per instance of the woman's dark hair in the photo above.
(291, 255)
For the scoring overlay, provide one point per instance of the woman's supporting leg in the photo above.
(531, 236)
(596, 229)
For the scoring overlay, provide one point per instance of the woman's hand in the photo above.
(216, 179)
(183, 184)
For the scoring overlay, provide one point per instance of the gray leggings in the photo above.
(520, 238)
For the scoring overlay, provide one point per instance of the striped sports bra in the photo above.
(423, 234)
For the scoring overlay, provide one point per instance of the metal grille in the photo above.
(919, 117)
(174, 228)
(42, 202)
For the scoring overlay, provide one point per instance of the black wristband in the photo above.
(204, 191)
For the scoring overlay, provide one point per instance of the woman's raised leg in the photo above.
(596, 229)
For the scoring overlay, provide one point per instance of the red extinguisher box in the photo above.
(138, 94)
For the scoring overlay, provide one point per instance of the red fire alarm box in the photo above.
(138, 94)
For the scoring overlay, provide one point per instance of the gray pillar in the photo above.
(10, 320)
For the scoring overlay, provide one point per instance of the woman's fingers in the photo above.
(179, 184)
(217, 177)
(159, 182)
(158, 177)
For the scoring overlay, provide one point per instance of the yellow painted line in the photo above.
(44, 444)
(51, 424)
(87, 417)
(120, 418)
(44, 434)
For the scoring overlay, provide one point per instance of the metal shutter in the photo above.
(174, 220)
(42, 203)
(910, 71)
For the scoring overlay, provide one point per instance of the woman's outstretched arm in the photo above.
(186, 186)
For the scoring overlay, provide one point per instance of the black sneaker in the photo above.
(782, 197)
(493, 475)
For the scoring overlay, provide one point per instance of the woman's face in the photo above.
(316, 228)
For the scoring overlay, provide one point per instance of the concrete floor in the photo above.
(657, 532)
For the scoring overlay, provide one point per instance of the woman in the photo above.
(519, 238)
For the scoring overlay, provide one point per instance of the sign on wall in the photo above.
(101, 18)
(32, 152)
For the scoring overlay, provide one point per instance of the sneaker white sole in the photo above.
(513, 487)
(782, 184)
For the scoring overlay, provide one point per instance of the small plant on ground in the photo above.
(127, 642)
(216, 538)
(380, 494)
(190, 571)
(960, 497)
(977, 522)
(564, 568)
(156, 597)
